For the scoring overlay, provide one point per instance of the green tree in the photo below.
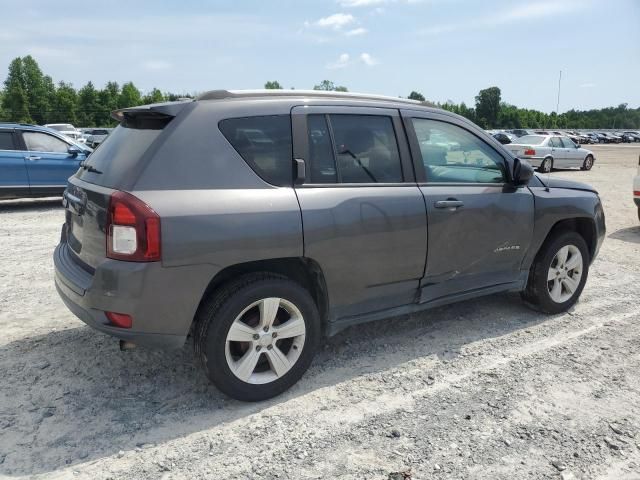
(329, 86)
(154, 96)
(129, 96)
(107, 102)
(15, 101)
(488, 107)
(66, 104)
(88, 105)
(36, 90)
(273, 85)
(416, 96)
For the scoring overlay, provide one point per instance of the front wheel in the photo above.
(558, 273)
(257, 336)
(546, 165)
(588, 163)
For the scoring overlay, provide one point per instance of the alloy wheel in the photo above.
(265, 340)
(565, 273)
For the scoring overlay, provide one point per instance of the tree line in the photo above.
(29, 96)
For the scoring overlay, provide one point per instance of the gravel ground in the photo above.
(481, 389)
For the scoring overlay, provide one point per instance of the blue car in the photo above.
(36, 161)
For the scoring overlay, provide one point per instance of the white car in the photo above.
(67, 130)
(549, 151)
(636, 189)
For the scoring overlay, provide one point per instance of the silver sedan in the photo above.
(549, 151)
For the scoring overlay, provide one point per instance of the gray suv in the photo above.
(257, 223)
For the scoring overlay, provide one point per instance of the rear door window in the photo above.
(6, 140)
(567, 142)
(345, 148)
(264, 142)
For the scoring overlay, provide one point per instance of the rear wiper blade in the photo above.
(89, 168)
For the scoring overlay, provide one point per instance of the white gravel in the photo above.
(482, 389)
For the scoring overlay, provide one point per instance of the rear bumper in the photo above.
(161, 301)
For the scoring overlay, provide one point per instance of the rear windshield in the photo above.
(116, 156)
(530, 140)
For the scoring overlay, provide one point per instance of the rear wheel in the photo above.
(546, 165)
(588, 163)
(558, 274)
(256, 336)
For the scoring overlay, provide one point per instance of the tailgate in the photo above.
(84, 229)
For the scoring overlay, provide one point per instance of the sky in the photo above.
(445, 49)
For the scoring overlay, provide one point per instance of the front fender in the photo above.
(555, 205)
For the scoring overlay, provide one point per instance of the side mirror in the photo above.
(74, 151)
(522, 172)
(577, 145)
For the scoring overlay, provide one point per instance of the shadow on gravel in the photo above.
(631, 234)
(31, 204)
(71, 396)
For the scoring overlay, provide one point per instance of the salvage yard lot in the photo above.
(481, 389)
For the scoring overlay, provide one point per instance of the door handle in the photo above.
(32, 157)
(449, 203)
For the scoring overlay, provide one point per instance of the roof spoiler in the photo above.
(162, 110)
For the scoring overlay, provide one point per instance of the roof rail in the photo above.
(227, 94)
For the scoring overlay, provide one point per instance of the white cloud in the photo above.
(336, 21)
(518, 13)
(156, 65)
(361, 3)
(587, 85)
(342, 62)
(356, 32)
(368, 60)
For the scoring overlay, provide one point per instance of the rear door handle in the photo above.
(449, 203)
(32, 157)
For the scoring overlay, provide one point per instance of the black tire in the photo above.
(536, 293)
(216, 315)
(546, 166)
(588, 163)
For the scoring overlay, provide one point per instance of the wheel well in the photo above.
(301, 270)
(586, 227)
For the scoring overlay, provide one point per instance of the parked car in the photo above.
(95, 136)
(636, 188)
(600, 137)
(635, 136)
(610, 137)
(626, 137)
(549, 151)
(519, 132)
(36, 161)
(342, 210)
(503, 137)
(67, 130)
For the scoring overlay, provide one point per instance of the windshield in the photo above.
(530, 140)
(62, 127)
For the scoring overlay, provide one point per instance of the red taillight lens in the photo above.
(133, 229)
(529, 151)
(121, 320)
(636, 193)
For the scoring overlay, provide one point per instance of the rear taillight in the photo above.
(636, 193)
(529, 151)
(121, 320)
(133, 229)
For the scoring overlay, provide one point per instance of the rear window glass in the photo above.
(264, 143)
(117, 155)
(6, 141)
(530, 140)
